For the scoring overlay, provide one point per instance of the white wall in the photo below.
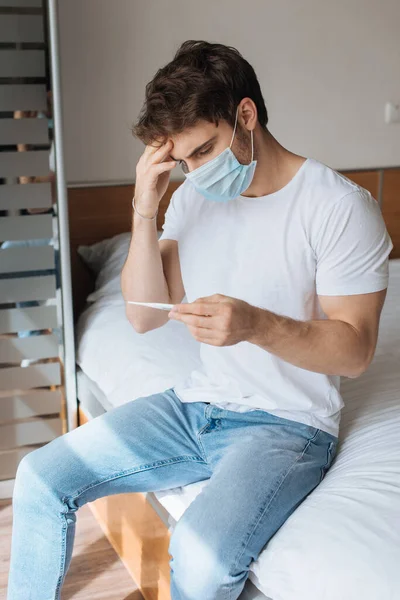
(326, 70)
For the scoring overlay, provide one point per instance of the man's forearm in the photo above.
(142, 276)
(325, 346)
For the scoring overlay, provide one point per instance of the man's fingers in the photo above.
(199, 308)
(162, 153)
(195, 321)
(164, 166)
(158, 152)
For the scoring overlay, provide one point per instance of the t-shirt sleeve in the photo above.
(352, 247)
(173, 218)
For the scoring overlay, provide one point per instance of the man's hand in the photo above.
(217, 320)
(342, 344)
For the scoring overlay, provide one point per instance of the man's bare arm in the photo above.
(343, 344)
(151, 272)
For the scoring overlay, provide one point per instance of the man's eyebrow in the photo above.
(196, 149)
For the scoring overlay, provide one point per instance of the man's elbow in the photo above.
(361, 366)
(139, 327)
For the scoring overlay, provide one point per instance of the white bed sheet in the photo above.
(343, 542)
(125, 364)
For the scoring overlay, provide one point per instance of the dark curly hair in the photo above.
(204, 81)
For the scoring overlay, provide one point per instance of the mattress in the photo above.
(344, 540)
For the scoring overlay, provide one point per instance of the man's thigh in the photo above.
(263, 475)
(147, 444)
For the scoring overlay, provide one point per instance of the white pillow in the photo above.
(126, 364)
(106, 259)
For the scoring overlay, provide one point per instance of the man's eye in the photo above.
(183, 166)
(204, 152)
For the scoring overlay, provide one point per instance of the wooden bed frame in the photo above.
(128, 520)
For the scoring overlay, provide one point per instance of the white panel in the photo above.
(25, 378)
(23, 97)
(21, 3)
(14, 164)
(21, 28)
(28, 195)
(15, 260)
(15, 350)
(22, 63)
(31, 432)
(69, 366)
(24, 131)
(25, 289)
(9, 462)
(28, 227)
(32, 404)
(28, 319)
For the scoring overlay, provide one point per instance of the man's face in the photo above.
(205, 141)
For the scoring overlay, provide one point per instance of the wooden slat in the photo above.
(22, 63)
(25, 289)
(15, 350)
(25, 378)
(29, 195)
(367, 179)
(32, 404)
(15, 164)
(21, 28)
(13, 320)
(23, 97)
(391, 207)
(31, 432)
(21, 3)
(33, 258)
(24, 131)
(32, 227)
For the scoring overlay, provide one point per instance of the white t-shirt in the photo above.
(320, 234)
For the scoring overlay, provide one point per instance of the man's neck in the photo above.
(276, 166)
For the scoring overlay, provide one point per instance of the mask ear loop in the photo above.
(251, 134)
(234, 129)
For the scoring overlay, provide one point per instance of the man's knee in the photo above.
(36, 476)
(199, 568)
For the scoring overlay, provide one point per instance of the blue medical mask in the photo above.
(223, 178)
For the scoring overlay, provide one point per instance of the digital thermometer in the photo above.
(158, 305)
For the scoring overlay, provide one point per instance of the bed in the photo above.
(342, 542)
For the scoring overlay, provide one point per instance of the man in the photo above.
(285, 266)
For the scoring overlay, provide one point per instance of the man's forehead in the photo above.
(195, 134)
(192, 139)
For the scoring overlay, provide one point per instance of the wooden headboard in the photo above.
(96, 213)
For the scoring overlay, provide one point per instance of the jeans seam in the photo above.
(146, 467)
(200, 443)
(299, 457)
(329, 459)
(63, 555)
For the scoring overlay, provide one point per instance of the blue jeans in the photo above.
(260, 468)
